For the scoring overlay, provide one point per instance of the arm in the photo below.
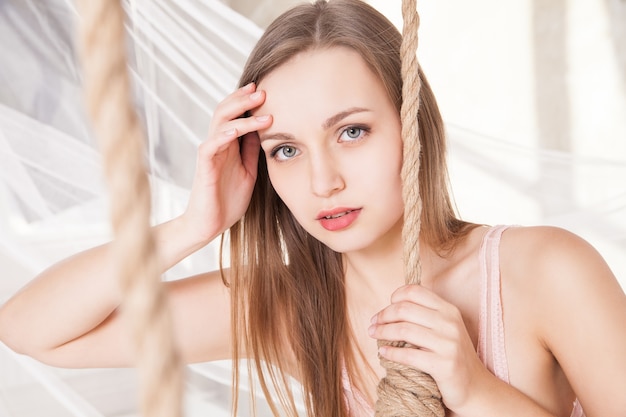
(68, 315)
(566, 316)
(78, 296)
(584, 321)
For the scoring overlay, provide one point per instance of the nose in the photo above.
(326, 178)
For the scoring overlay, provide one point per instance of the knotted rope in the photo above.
(406, 391)
(122, 144)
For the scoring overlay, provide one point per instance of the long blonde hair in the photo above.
(287, 289)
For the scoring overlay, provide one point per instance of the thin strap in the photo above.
(491, 346)
(578, 409)
(357, 404)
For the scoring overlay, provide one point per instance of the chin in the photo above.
(345, 244)
(359, 238)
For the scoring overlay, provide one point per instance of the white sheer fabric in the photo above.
(186, 55)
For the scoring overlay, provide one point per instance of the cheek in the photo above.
(384, 164)
(286, 186)
(385, 172)
(394, 156)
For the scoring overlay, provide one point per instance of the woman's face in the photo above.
(334, 150)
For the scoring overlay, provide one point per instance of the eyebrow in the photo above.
(328, 123)
(333, 120)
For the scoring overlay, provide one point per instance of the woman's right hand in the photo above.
(226, 167)
(67, 315)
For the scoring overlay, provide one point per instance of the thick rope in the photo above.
(121, 140)
(406, 391)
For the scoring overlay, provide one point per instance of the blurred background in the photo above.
(533, 93)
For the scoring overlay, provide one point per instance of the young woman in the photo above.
(508, 321)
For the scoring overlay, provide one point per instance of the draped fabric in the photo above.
(185, 56)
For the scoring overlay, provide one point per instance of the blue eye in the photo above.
(353, 133)
(284, 152)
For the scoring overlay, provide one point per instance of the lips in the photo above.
(338, 218)
(335, 216)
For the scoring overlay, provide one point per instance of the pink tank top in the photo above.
(491, 346)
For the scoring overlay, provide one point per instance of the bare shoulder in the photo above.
(557, 269)
(568, 295)
(547, 253)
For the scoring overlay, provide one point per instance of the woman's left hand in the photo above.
(444, 350)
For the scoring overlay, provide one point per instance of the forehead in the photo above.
(321, 80)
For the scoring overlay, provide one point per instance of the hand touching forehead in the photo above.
(312, 91)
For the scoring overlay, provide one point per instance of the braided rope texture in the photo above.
(406, 391)
(121, 140)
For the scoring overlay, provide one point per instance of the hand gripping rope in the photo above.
(406, 391)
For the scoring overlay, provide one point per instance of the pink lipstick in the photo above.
(338, 218)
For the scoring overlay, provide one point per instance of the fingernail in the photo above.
(262, 118)
(248, 86)
(230, 132)
(370, 330)
(382, 350)
(373, 320)
(255, 95)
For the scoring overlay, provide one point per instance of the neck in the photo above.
(374, 273)
(374, 277)
(371, 276)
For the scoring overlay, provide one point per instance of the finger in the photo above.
(246, 89)
(418, 294)
(242, 91)
(209, 148)
(407, 332)
(237, 128)
(246, 125)
(236, 105)
(408, 311)
(421, 359)
(235, 96)
(250, 148)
